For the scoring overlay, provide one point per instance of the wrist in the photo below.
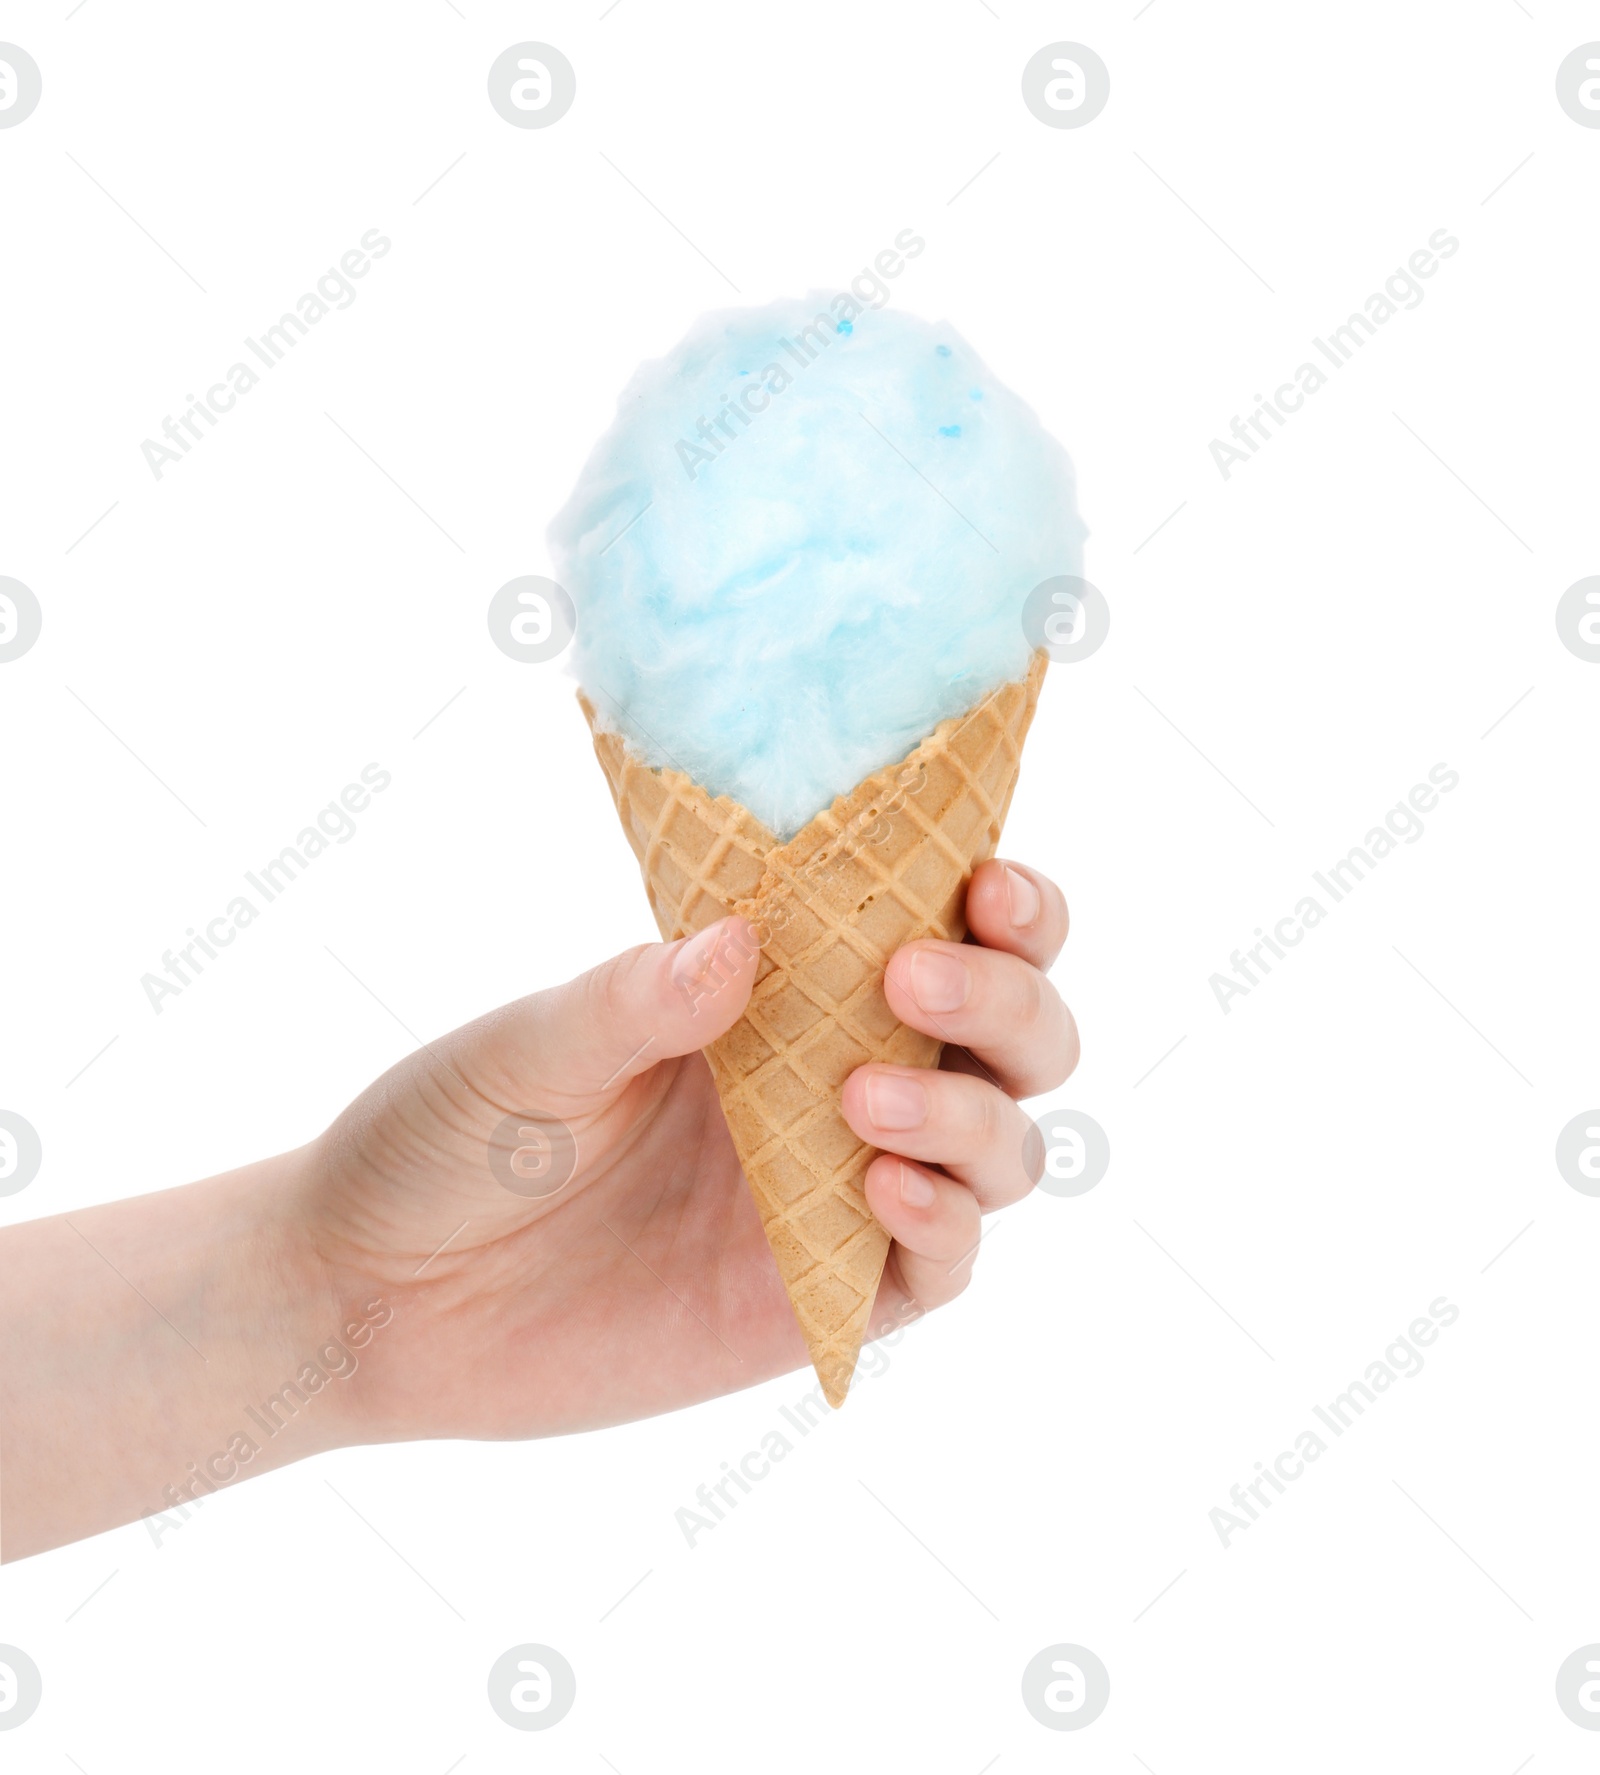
(335, 1306)
(257, 1304)
(302, 1326)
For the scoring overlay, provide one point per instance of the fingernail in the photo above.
(939, 980)
(896, 1103)
(915, 1190)
(1022, 899)
(697, 968)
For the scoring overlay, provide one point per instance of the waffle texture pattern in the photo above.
(886, 864)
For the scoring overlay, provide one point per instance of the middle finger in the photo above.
(999, 1007)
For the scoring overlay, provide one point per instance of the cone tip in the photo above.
(835, 1373)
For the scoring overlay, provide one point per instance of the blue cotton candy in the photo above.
(788, 572)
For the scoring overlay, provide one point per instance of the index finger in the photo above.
(1017, 909)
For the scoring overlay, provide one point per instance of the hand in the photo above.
(645, 1281)
(381, 1283)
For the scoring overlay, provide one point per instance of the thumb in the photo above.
(647, 1005)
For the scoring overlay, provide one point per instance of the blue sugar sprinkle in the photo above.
(949, 431)
(845, 326)
(943, 350)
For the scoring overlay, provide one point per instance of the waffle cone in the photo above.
(886, 864)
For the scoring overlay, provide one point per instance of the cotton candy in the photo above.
(806, 540)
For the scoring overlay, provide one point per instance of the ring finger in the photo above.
(964, 1124)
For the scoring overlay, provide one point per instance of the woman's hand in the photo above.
(411, 1274)
(642, 1281)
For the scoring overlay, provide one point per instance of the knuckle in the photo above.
(1032, 999)
(962, 1262)
(981, 1111)
(1060, 1060)
(605, 989)
(1053, 1054)
(1055, 1075)
(602, 991)
(1015, 1180)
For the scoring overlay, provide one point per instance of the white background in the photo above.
(1365, 1132)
